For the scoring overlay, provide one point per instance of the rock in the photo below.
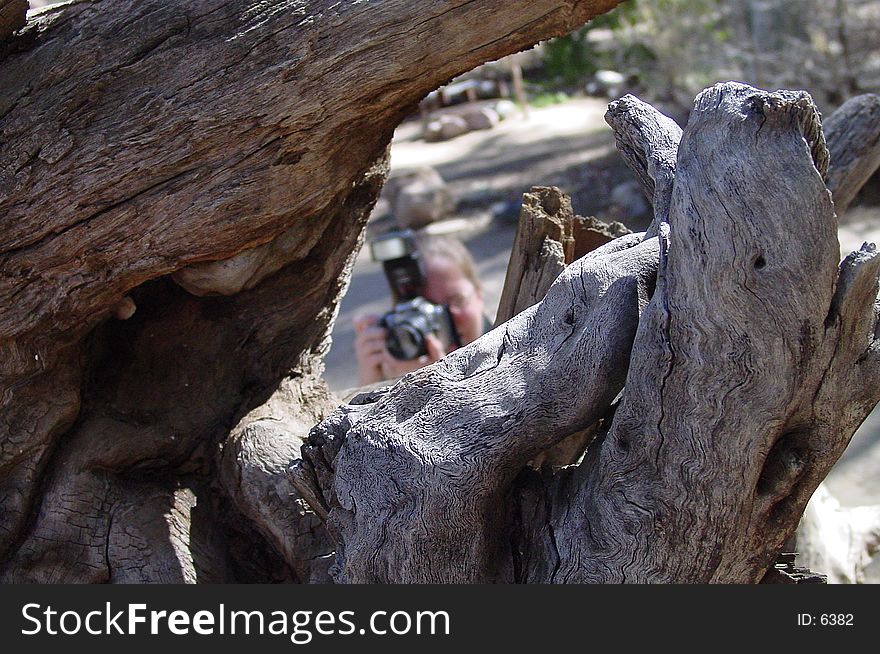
(482, 118)
(226, 277)
(837, 541)
(608, 83)
(445, 128)
(125, 308)
(419, 197)
(246, 269)
(504, 108)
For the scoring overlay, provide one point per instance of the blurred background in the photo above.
(463, 161)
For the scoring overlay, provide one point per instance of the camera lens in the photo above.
(405, 341)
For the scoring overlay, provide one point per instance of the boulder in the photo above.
(445, 128)
(504, 108)
(481, 118)
(419, 197)
(607, 83)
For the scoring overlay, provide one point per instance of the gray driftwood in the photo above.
(542, 246)
(744, 358)
(182, 188)
(853, 134)
(648, 142)
(548, 238)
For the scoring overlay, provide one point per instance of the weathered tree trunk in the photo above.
(729, 358)
(209, 165)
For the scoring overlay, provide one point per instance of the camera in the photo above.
(413, 317)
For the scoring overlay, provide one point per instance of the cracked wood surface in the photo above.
(418, 489)
(142, 141)
(751, 367)
(153, 135)
(13, 16)
(648, 142)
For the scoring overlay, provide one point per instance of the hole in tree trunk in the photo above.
(785, 462)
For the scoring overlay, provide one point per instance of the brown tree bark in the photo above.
(13, 16)
(182, 188)
(729, 358)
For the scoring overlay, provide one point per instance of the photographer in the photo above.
(450, 279)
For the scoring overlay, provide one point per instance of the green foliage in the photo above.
(671, 49)
(569, 60)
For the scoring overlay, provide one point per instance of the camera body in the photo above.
(409, 323)
(413, 317)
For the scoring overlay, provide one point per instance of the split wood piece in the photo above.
(549, 236)
(591, 233)
(786, 571)
(542, 246)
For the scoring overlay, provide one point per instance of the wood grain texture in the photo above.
(704, 459)
(548, 238)
(236, 146)
(13, 16)
(853, 135)
(750, 368)
(542, 246)
(253, 471)
(153, 136)
(417, 495)
(648, 142)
